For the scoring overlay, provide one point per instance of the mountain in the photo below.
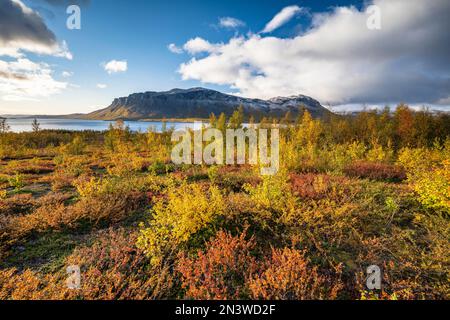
(200, 103)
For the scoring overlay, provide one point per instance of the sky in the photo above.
(346, 54)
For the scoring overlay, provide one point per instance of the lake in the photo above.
(24, 124)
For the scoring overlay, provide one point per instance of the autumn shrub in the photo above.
(428, 172)
(273, 196)
(17, 182)
(113, 268)
(375, 171)
(125, 161)
(17, 204)
(30, 285)
(213, 174)
(160, 167)
(317, 186)
(419, 274)
(88, 186)
(186, 212)
(419, 160)
(334, 158)
(233, 179)
(222, 271)
(287, 275)
(33, 166)
(76, 147)
(56, 216)
(70, 166)
(434, 188)
(378, 153)
(60, 181)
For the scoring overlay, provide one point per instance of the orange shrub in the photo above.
(288, 276)
(222, 271)
(16, 204)
(110, 208)
(55, 215)
(29, 285)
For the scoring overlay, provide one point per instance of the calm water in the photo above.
(24, 124)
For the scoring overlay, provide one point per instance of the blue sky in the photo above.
(139, 33)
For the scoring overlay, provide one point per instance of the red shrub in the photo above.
(375, 171)
(222, 271)
(317, 186)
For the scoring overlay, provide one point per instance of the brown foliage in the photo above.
(57, 216)
(375, 171)
(17, 204)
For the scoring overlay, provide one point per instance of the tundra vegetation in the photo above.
(352, 191)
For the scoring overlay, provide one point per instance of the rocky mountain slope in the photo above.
(200, 103)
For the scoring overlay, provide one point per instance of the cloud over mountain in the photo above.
(338, 60)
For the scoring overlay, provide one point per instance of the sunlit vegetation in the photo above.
(352, 191)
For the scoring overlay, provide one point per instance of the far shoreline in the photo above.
(69, 117)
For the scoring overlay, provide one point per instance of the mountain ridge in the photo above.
(200, 103)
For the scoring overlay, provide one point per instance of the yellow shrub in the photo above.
(187, 210)
(273, 195)
(378, 154)
(429, 172)
(434, 188)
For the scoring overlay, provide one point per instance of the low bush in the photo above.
(186, 211)
(222, 271)
(114, 269)
(375, 171)
(287, 275)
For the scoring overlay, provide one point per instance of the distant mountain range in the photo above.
(200, 103)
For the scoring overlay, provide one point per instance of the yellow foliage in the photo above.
(273, 195)
(434, 188)
(379, 154)
(187, 210)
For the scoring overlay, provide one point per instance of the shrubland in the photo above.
(352, 191)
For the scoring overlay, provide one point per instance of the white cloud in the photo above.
(13, 98)
(198, 45)
(115, 66)
(23, 30)
(67, 74)
(281, 18)
(23, 79)
(444, 101)
(174, 49)
(101, 86)
(339, 60)
(231, 23)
